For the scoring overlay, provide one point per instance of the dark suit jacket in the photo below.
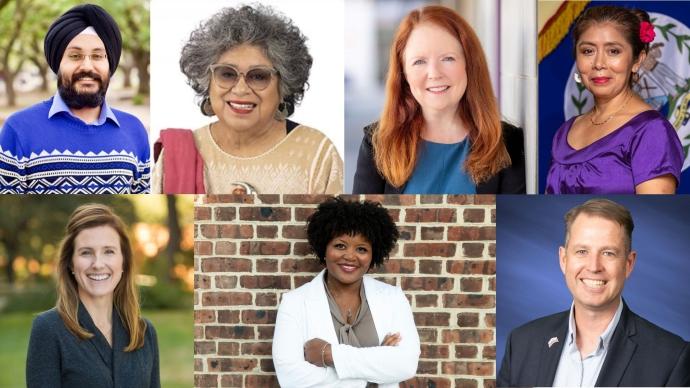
(510, 180)
(640, 354)
(58, 358)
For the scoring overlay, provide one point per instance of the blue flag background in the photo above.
(658, 86)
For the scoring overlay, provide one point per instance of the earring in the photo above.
(283, 111)
(577, 77)
(635, 77)
(206, 108)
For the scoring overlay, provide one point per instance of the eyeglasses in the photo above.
(227, 76)
(78, 57)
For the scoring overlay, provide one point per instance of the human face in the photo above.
(604, 59)
(595, 263)
(241, 108)
(97, 262)
(348, 258)
(434, 64)
(83, 76)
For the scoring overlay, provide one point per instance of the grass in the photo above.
(175, 343)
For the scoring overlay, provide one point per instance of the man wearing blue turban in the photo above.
(74, 142)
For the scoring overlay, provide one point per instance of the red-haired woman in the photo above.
(440, 131)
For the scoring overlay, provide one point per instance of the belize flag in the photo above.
(664, 80)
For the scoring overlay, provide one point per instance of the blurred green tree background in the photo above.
(25, 77)
(161, 231)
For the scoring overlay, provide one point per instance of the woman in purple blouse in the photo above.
(622, 145)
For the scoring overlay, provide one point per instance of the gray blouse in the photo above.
(362, 332)
(58, 358)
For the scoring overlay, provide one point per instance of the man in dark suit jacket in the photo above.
(623, 348)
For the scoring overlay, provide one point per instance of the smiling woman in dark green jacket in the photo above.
(94, 337)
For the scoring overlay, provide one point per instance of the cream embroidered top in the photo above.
(303, 162)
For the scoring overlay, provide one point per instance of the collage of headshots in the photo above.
(344, 193)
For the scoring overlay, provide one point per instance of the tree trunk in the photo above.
(44, 78)
(141, 62)
(9, 88)
(42, 71)
(175, 234)
(127, 76)
(11, 250)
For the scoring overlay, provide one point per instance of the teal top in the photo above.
(440, 170)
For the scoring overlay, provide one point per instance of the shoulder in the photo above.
(302, 291)
(651, 120)
(29, 115)
(380, 287)
(310, 134)
(656, 336)
(130, 123)
(150, 330)
(202, 135)
(371, 128)
(513, 138)
(47, 321)
(127, 118)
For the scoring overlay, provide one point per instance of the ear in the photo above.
(638, 62)
(630, 263)
(562, 258)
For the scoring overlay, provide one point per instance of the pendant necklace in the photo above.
(591, 117)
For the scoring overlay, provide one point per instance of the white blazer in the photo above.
(304, 314)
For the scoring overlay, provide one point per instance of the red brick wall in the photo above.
(249, 250)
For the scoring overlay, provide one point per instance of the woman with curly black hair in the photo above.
(345, 325)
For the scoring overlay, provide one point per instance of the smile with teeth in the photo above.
(437, 89)
(347, 267)
(594, 283)
(246, 106)
(98, 276)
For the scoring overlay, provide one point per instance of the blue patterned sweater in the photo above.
(62, 154)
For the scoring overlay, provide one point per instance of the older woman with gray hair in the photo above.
(249, 67)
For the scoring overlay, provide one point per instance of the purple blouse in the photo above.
(644, 148)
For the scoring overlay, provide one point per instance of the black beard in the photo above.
(76, 100)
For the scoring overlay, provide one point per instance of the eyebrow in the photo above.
(249, 68)
(605, 44)
(91, 247)
(604, 248)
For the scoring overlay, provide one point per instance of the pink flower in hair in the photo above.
(646, 32)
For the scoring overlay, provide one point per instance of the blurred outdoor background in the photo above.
(26, 79)
(161, 231)
(507, 30)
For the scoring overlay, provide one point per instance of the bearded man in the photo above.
(75, 142)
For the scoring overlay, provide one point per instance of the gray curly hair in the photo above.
(257, 25)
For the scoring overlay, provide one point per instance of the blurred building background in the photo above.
(507, 30)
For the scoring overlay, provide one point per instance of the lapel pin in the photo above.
(552, 341)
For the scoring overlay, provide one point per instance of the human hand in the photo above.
(391, 339)
(313, 349)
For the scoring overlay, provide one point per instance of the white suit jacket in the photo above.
(304, 314)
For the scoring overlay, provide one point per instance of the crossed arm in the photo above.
(299, 362)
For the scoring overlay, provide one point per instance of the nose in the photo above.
(594, 263)
(348, 254)
(86, 63)
(98, 260)
(241, 86)
(599, 60)
(434, 70)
